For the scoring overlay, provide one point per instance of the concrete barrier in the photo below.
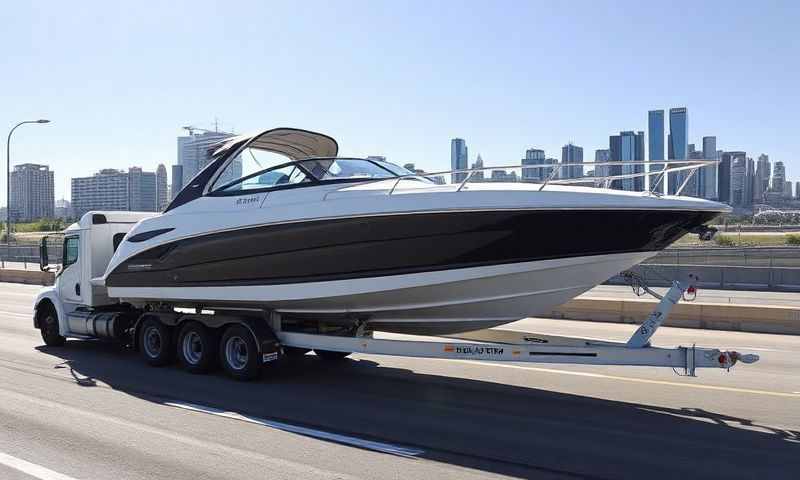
(712, 316)
(31, 277)
(781, 279)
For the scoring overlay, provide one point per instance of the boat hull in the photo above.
(440, 302)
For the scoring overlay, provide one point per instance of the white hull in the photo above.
(432, 302)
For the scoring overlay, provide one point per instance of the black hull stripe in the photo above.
(362, 247)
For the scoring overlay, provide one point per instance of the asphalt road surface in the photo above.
(93, 411)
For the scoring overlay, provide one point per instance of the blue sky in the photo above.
(399, 79)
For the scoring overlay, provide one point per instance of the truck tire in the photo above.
(331, 355)
(155, 343)
(48, 327)
(238, 353)
(197, 348)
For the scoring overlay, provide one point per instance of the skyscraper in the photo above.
(797, 190)
(601, 156)
(695, 182)
(779, 177)
(572, 154)
(477, 175)
(724, 177)
(533, 156)
(749, 183)
(655, 151)
(177, 180)
(459, 159)
(709, 177)
(31, 192)
(194, 153)
(627, 146)
(142, 196)
(738, 163)
(678, 144)
(763, 175)
(162, 195)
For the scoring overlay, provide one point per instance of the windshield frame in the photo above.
(313, 180)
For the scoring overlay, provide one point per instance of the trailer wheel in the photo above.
(196, 348)
(155, 343)
(48, 327)
(331, 355)
(238, 353)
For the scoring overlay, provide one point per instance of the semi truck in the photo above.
(244, 340)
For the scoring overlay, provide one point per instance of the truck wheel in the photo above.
(196, 348)
(155, 343)
(238, 353)
(330, 355)
(48, 327)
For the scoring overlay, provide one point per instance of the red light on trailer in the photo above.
(691, 290)
(722, 359)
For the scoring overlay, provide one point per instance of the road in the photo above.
(93, 411)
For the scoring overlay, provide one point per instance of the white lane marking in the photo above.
(633, 379)
(298, 470)
(31, 469)
(309, 432)
(16, 314)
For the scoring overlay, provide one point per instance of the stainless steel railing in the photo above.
(596, 180)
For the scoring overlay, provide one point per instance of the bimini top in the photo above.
(293, 143)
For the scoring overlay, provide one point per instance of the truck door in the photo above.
(69, 281)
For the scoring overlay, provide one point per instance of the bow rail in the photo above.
(554, 169)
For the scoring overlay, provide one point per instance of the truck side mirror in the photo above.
(43, 259)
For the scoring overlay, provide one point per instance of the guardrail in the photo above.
(773, 257)
(782, 279)
(25, 253)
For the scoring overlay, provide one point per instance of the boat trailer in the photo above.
(511, 346)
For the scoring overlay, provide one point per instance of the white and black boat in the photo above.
(360, 241)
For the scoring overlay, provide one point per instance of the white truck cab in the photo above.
(87, 248)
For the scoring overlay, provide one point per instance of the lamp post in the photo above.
(8, 179)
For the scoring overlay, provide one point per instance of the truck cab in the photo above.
(86, 250)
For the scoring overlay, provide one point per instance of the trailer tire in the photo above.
(155, 343)
(238, 353)
(330, 355)
(48, 327)
(197, 348)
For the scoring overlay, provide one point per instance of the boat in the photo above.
(278, 221)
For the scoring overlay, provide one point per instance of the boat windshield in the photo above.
(241, 175)
(341, 168)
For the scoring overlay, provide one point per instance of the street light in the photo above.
(8, 179)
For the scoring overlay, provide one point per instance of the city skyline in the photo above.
(192, 155)
(118, 93)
